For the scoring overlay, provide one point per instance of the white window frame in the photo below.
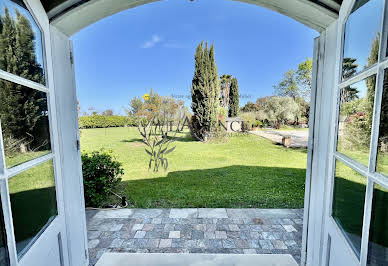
(372, 177)
(58, 223)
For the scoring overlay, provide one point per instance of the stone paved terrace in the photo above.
(212, 231)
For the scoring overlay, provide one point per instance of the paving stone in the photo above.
(266, 244)
(200, 227)
(140, 234)
(201, 243)
(183, 213)
(112, 214)
(291, 243)
(213, 243)
(278, 244)
(116, 243)
(174, 234)
(220, 234)
(195, 234)
(153, 243)
(104, 243)
(289, 228)
(177, 243)
(128, 243)
(93, 234)
(211, 227)
(148, 227)
(267, 236)
(234, 227)
(137, 227)
(154, 234)
(151, 231)
(222, 227)
(141, 243)
(108, 226)
(249, 251)
(253, 243)
(256, 227)
(93, 243)
(157, 220)
(169, 227)
(209, 235)
(298, 221)
(245, 234)
(228, 243)
(212, 213)
(254, 235)
(165, 243)
(147, 213)
(241, 243)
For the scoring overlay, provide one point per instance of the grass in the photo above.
(19, 158)
(32, 195)
(348, 206)
(245, 171)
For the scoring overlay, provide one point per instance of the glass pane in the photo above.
(355, 119)
(21, 49)
(378, 234)
(362, 37)
(382, 153)
(348, 203)
(33, 202)
(24, 123)
(3, 244)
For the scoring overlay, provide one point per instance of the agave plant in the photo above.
(156, 136)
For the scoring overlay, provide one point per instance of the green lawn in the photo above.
(245, 171)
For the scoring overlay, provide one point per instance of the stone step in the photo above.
(168, 259)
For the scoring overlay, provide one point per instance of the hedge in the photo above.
(102, 121)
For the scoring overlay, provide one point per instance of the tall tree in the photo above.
(20, 108)
(135, 106)
(349, 68)
(288, 85)
(304, 77)
(234, 103)
(205, 92)
(226, 81)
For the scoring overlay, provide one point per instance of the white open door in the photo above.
(355, 220)
(36, 214)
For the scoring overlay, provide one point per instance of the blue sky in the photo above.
(152, 46)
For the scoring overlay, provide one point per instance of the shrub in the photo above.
(257, 123)
(102, 121)
(249, 119)
(101, 174)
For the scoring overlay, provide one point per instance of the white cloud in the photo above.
(151, 43)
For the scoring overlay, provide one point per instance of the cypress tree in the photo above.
(234, 98)
(204, 92)
(21, 108)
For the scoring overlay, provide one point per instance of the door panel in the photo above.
(30, 170)
(355, 231)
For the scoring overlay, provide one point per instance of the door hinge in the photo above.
(71, 58)
(78, 145)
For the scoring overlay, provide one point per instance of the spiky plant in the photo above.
(156, 136)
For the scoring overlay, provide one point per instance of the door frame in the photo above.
(56, 229)
(331, 227)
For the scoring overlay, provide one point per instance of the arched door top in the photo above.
(70, 16)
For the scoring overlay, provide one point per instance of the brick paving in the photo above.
(236, 231)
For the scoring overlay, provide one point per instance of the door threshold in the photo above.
(179, 259)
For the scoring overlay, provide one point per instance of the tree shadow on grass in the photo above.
(348, 211)
(233, 187)
(31, 211)
(185, 138)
